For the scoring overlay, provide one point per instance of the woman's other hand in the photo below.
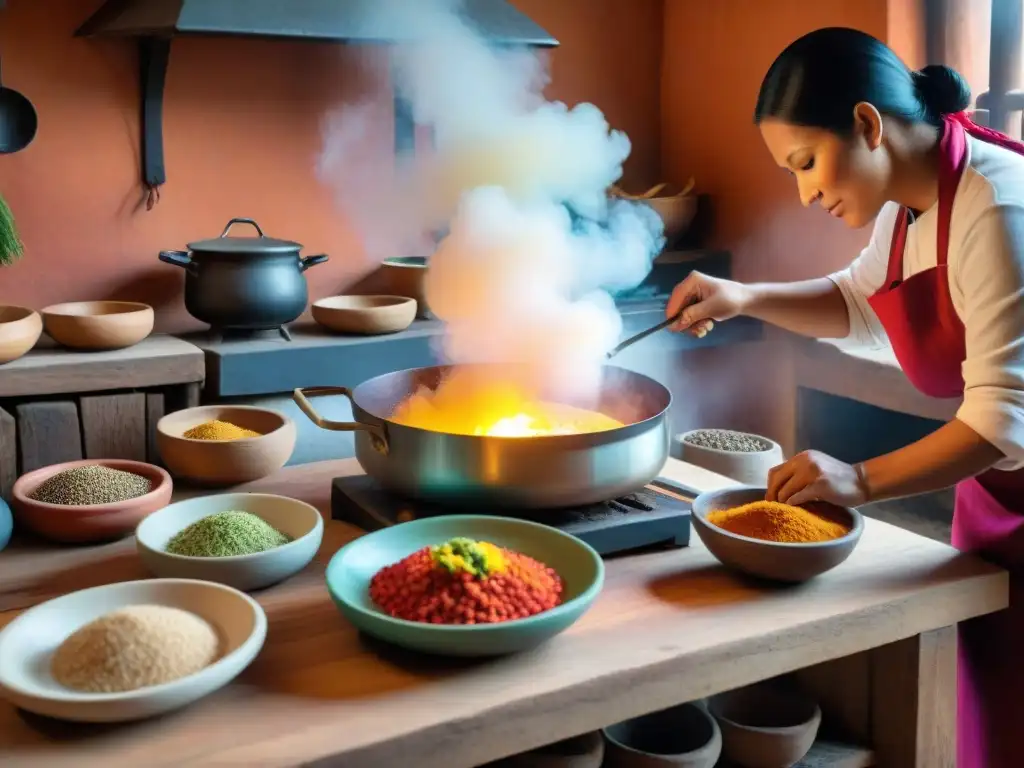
(706, 299)
(815, 476)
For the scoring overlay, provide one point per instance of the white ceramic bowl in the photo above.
(301, 521)
(28, 643)
(746, 467)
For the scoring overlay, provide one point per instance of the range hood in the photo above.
(154, 23)
(327, 20)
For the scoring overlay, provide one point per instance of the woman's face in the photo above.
(847, 177)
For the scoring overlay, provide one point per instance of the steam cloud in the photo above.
(534, 249)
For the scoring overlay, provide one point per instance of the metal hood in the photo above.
(326, 20)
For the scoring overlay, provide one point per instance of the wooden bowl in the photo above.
(766, 725)
(225, 462)
(405, 276)
(365, 314)
(69, 523)
(677, 213)
(98, 324)
(20, 329)
(775, 560)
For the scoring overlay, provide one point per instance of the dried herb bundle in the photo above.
(11, 248)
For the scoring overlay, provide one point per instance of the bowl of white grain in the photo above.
(741, 456)
(130, 650)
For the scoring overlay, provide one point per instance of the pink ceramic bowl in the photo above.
(80, 524)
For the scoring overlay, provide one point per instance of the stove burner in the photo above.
(217, 335)
(656, 515)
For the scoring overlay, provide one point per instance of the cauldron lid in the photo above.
(253, 246)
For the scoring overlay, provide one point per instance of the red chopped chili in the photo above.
(420, 588)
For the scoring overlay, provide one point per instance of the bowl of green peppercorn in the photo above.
(244, 540)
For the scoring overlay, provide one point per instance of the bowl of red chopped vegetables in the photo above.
(465, 585)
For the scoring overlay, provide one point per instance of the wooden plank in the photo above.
(842, 688)
(914, 701)
(153, 362)
(705, 630)
(869, 376)
(48, 433)
(8, 453)
(155, 410)
(114, 426)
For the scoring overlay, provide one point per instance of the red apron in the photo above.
(928, 338)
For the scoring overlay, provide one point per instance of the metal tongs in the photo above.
(655, 328)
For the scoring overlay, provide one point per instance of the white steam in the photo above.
(518, 277)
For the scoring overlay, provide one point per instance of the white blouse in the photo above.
(986, 283)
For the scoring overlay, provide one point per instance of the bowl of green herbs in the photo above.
(244, 540)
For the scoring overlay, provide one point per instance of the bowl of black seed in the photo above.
(741, 456)
(88, 501)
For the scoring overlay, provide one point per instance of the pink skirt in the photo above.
(990, 672)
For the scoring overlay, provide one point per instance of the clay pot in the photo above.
(98, 325)
(368, 315)
(766, 725)
(685, 736)
(225, 462)
(405, 276)
(69, 523)
(20, 329)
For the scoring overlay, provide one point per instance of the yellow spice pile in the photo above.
(218, 430)
(774, 521)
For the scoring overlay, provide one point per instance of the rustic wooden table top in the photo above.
(669, 627)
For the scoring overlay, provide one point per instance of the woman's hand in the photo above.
(815, 476)
(706, 299)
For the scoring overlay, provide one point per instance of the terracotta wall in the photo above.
(715, 56)
(242, 134)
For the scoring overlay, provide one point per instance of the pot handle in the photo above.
(241, 221)
(179, 259)
(301, 395)
(311, 261)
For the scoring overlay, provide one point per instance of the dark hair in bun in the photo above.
(942, 89)
(819, 79)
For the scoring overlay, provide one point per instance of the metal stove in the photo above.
(658, 515)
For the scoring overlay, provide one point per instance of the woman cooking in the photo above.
(942, 281)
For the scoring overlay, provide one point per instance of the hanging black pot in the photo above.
(252, 283)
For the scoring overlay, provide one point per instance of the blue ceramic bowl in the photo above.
(354, 565)
(6, 523)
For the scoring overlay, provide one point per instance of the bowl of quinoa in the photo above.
(465, 585)
(91, 500)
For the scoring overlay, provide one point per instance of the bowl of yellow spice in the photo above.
(219, 445)
(244, 540)
(771, 540)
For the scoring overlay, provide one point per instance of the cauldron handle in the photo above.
(301, 395)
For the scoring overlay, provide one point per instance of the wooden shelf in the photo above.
(157, 361)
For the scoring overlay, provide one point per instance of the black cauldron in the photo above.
(251, 283)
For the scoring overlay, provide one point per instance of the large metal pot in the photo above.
(525, 472)
(255, 283)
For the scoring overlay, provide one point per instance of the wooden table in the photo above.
(875, 638)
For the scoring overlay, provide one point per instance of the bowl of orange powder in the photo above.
(465, 585)
(772, 540)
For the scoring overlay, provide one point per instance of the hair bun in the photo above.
(943, 90)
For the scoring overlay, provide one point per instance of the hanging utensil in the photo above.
(700, 329)
(18, 121)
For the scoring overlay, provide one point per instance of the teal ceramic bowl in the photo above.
(354, 565)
